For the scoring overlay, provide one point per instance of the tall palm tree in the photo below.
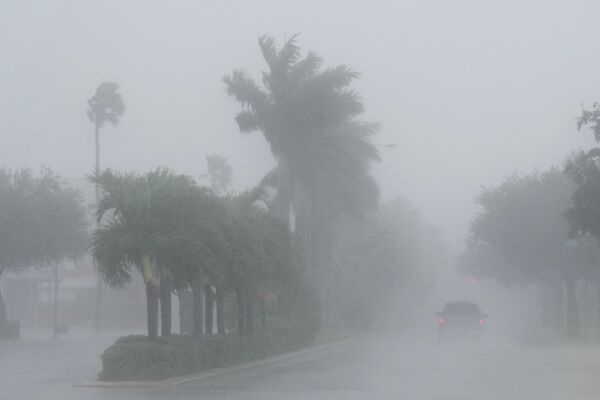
(106, 105)
(308, 116)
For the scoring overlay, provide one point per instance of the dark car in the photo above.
(461, 316)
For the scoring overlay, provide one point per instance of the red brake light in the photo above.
(481, 322)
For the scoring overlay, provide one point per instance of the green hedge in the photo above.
(135, 357)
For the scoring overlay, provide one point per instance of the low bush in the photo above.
(137, 358)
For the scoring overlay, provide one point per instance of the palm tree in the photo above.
(106, 105)
(219, 173)
(308, 116)
(195, 253)
(256, 253)
(139, 229)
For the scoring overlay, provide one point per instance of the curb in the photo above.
(178, 380)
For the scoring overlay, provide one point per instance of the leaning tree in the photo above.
(308, 115)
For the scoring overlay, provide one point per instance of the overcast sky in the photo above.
(469, 91)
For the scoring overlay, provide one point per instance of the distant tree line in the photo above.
(543, 229)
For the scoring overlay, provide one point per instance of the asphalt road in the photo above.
(382, 366)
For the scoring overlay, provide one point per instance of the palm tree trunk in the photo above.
(150, 274)
(210, 305)
(552, 306)
(55, 306)
(241, 308)
(558, 298)
(597, 310)
(220, 299)
(152, 309)
(165, 307)
(99, 283)
(249, 313)
(3, 317)
(573, 328)
(545, 301)
(198, 307)
(321, 251)
(263, 312)
(282, 202)
(97, 165)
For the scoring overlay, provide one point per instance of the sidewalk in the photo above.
(36, 363)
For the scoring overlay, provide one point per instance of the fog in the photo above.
(467, 93)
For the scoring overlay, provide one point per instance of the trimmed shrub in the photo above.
(135, 357)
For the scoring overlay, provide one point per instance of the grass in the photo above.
(334, 334)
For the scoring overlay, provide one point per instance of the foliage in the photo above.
(41, 219)
(299, 303)
(390, 252)
(142, 229)
(18, 191)
(106, 105)
(584, 213)
(167, 228)
(137, 358)
(140, 220)
(258, 252)
(219, 172)
(308, 115)
(523, 222)
(521, 236)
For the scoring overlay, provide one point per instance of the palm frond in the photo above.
(247, 121)
(289, 54)
(106, 104)
(305, 69)
(115, 251)
(335, 78)
(245, 90)
(269, 50)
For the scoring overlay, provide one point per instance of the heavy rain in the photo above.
(299, 200)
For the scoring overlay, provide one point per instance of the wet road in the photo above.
(383, 366)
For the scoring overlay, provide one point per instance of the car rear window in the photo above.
(462, 308)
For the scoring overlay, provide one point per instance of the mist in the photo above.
(467, 99)
(470, 89)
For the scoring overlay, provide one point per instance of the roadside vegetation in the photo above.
(542, 230)
(310, 245)
(278, 260)
(42, 222)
